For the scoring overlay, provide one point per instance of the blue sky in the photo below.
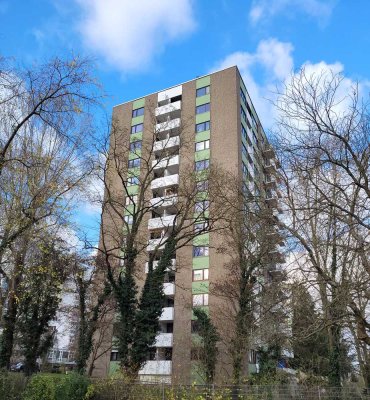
(141, 46)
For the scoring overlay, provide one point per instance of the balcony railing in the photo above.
(161, 222)
(169, 288)
(168, 108)
(164, 340)
(155, 264)
(162, 367)
(166, 162)
(163, 202)
(168, 125)
(167, 143)
(165, 181)
(167, 314)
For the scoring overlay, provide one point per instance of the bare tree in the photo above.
(325, 149)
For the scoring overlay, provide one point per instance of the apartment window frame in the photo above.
(203, 145)
(203, 126)
(202, 165)
(243, 114)
(201, 226)
(132, 180)
(200, 300)
(134, 163)
(130, 200)
(138, 112)
(203, 108)
(202, 186)
(203, 273)
(244, 150)
(135, 146)
(129, 219)
(243, 96)
(203, 91)
(200, 251)
(201, 206)
(135, 128)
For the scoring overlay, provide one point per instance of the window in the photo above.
(202, 108)
(138, 112)
(195, 328)
(137, 128)
(134, 163)
(133, 180)
(242, 95)
(114, 356)
(201, 165)
(244, 150)
(202, 186)
(200, 251)
(202, 91)
(200, 275)
(255, 140)
(202, 145)
(129, 219)
(201, 206)
(204, 126)
(201, 226)
(242, 113)
(244, 133)
(135, 146)
(131, 200)
(200, 300)
(245, 169)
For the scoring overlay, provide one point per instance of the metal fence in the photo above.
(116, 391)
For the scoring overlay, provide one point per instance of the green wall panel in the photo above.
(202, 100)
(200, 287)
(202, 117)
(200, 262)
(202, 155)
(205, 135)
(136, 154)
(205, 81)
(201, 240)
(195, 338)
(129, 209)
(134, 189)
(138, 103)
(137, 120)
(136, 136)
(113, 367)
(133, 172)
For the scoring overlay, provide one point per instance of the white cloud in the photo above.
(273, 62)
(271, 66)
(129, 34)
(263, 10)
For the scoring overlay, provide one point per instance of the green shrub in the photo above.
(12, 385)
(56, 387)
(72, 387)
(39, 387)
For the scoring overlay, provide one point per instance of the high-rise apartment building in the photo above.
(220, 123)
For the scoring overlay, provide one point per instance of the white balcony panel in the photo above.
(169, 288)
(169, 93)
(167, 314)
(167, 143)
(166, 201)
(164, 340)
(167, 125)
(165, 162)
(155, 264)
(161, 222)
(156, 368)
(167, 108)
(154, 243)
(165, 181)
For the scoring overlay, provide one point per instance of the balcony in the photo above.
(166, 162)
(269, 152)
(169, 288)
(165, 181)
(164, 340)
(270, 182)
(272, 200)
(167, 143)
(155, 264)
(156, 243)
(270, 167)
(161, 222)
(162, 367)
(167, 314)
(164, 201)
(167, 125)
(169, 109)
